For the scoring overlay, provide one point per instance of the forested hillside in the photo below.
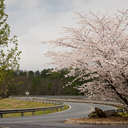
(45, 82)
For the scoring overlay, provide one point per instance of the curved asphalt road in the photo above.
(56, 120)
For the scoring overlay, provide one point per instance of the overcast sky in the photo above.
(34, 21)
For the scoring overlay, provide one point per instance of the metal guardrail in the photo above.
(39, 99)
(33, 110)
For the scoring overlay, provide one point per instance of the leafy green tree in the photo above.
(9, 54)
(45, 73)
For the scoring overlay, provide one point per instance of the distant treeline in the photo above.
(45, 82)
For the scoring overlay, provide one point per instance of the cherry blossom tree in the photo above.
(98, 50)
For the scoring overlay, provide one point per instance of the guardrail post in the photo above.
(1, 115)
(33, 113)
(22, 114)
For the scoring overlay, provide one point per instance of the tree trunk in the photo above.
(125, 101)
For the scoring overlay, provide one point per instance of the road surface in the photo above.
(56, 120)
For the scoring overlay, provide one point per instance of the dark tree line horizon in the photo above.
(45, 82)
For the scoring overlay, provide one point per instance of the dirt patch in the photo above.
(110, 120)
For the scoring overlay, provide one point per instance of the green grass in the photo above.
(18, 104)
(123, 114)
